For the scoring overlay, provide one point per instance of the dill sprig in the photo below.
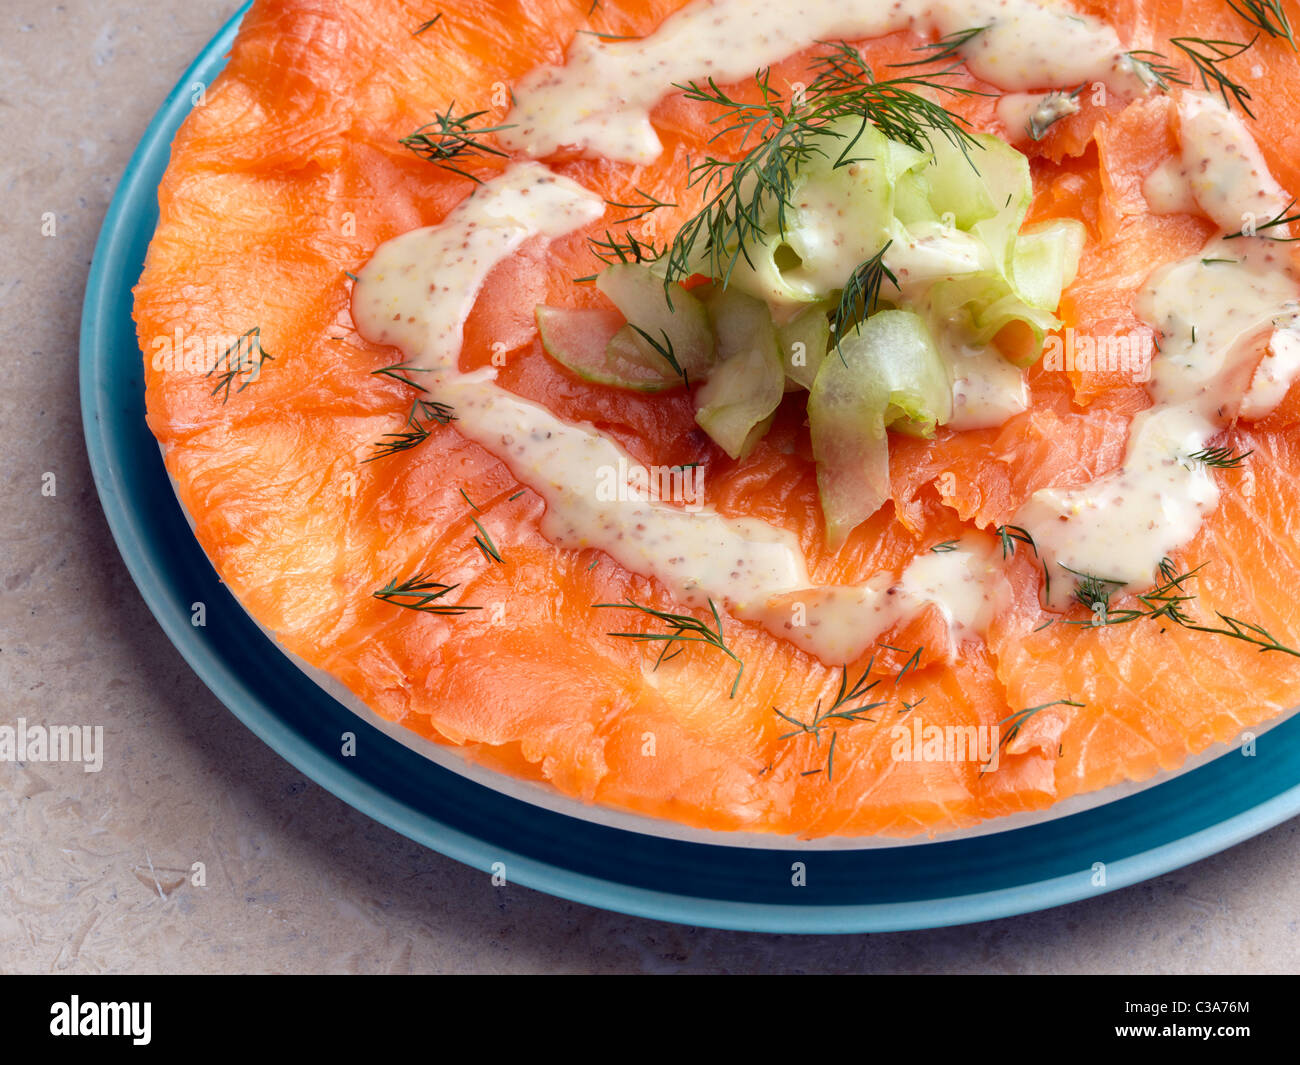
(612, 249)
(1154, 68)
(451, 138)
(1020, 718)
(665, 350)
(1093, 591)
(398, 372)
(1010, 535)
(838, 713)
(860, 295)
(1247, 632)
(415, 430)
(484, 542)
(685, 629)
(228, 368)
(1268, 16)
(1205, 56)
(1166, 600)
(947, 545)
(779, 135)
(648, 205)
(1279, 219)
(913, 663)
(845, 87)
(945, 49)
(607, 36)
(427, 25)
(1223, 457)
(422, 593)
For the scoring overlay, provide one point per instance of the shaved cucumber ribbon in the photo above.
(735, 406)
(887, 370)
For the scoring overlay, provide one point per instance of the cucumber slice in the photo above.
(889, 369)
(1045, 260)
(583, 341)
(735, 406)
(803, 341)
(669, 314)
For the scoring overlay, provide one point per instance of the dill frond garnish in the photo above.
(1268, 16)
(861, 295)
(1093, 592)
(1223, 458)
(1010, 535)
(947, 545)
(427, 25)
(607, 36)
(1018, 720)
(1154, 68)
(685, 629)
(415, 431)
(231, 363)
(421, 593)
(780, 135)
(484, 542)
(665, 350)
(451, 138)
(1205, 56)
(613, 249)
(398, 372)
(471, 502)
(648, 205)
(945, 49)
(1166, 600)
(838, 713)
(913, 663)
(1279, 219)
(512, 498)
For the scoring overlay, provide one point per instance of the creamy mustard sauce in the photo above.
(1223, 166)
(440, 269)
(1276, 372)
(1212, 312)
(601, 98)
(753, 569)
(986, 388)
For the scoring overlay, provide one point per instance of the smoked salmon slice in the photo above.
(291, 174)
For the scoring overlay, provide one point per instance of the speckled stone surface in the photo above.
(94, 867)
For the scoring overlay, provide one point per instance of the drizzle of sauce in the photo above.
(1212, 311)
(601, 98)
(417, 290)
(1222, 167)
(754, 569)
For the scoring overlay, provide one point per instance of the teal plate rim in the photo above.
(874, 890)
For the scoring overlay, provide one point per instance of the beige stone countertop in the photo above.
(92, 864)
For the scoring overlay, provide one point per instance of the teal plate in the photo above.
(875, 890)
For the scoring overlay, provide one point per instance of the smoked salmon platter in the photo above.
(816, 466)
